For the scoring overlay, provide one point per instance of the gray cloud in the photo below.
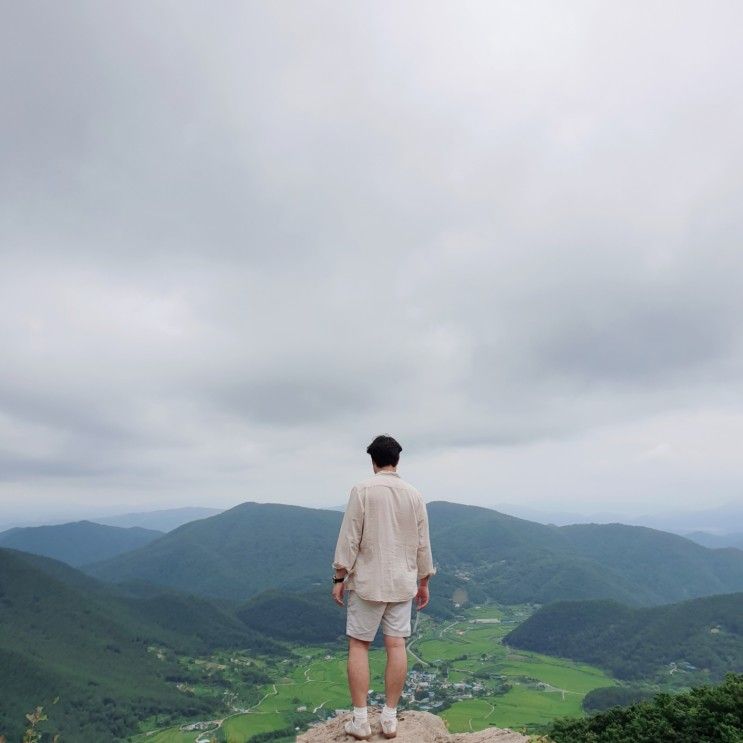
(295, 399)
(646, 344)
(239, 240)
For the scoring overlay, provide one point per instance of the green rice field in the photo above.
(541, 687)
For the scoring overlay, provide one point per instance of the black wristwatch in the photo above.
(339, 580)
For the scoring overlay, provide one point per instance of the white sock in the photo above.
(360, 714)
(389, 713)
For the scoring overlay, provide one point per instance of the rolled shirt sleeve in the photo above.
(352, 528)
(425, 558)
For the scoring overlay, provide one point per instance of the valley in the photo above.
(459, 669)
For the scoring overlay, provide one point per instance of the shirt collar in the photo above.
(387, 472)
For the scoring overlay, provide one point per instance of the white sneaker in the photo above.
(389, 727)
(360, 731)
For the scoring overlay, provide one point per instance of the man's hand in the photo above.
(338, 589)
(421, 598)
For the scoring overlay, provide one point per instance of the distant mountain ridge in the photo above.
(716, 541)
(163, 520)
(78, 542)
(260, 546)
(636, 643)
(719, 520)
(159, 520)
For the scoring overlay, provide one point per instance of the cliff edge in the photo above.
(412, 727)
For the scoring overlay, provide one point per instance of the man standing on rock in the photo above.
(383, 559)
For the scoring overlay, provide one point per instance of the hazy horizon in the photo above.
(715, 521)
(241, 240)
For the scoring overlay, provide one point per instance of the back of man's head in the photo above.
(384, 451)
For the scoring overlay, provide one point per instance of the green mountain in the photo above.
(703, 715)
(236, 554)
(518, 561)
(256, 547)
(704, 633)
(77, 543)
(63, 634)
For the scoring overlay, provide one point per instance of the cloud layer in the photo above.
(239, 240)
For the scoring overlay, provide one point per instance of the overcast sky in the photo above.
(240, 239)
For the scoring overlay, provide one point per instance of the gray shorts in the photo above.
(364, 617)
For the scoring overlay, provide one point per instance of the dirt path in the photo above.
(414, 638)
(448, 626)
(275, 693)
(549, 687)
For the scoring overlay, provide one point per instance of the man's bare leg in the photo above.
(358, 671)
(396, 669)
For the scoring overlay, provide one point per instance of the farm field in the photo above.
(518, 708)
(235, 729)
(564, 674)
(537, 687)
(317, 682)
(239, 728)
(315, 679)
(171, 735)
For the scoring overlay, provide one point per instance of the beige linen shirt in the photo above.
(383, 541)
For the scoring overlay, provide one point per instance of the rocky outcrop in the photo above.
(413, 727)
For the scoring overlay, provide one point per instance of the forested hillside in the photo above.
(706, 633)
(306, 618)
(64, 635)
(703, 715)
(668, 567)
(255, 547)
(79, 542)
(521, 561)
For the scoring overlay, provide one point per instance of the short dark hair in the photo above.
(384, 451)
